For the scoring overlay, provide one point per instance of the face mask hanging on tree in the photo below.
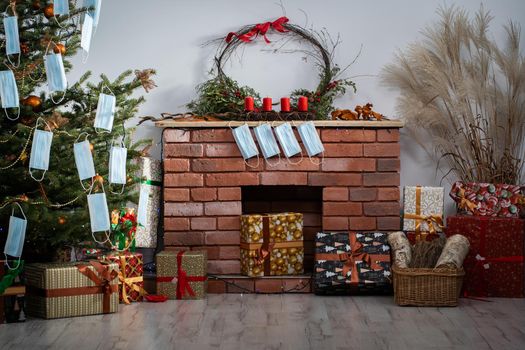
(87, 33)
(56, 75)
(16, 236)
(244, 139)
(266, 140)
(12, 40)
(84, 160)
(105, 112)
(40, 151)
(310, 138)
(98, 214)
(9, 92)
(95, 12)
(288, 141)
(117, 165)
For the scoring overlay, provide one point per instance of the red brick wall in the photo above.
(203, 172)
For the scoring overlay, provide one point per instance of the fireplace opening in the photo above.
(307, 200)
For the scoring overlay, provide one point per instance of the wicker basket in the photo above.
(427, 287)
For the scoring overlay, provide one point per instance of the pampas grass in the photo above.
(467, 93)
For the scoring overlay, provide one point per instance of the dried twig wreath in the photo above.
(222, 97)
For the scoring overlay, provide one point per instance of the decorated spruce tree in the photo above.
(56, 207)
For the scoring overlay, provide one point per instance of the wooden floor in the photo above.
(302, 321)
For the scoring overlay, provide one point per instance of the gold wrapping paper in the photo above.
(59, 276)
(194, 263)
(284, 247)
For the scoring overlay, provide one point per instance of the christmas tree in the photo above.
(56, 207)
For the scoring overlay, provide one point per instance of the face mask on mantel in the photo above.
(310, 138)
(243, 138)
(266, 140)
(287, 140)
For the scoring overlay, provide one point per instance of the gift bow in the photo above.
(262, 29)
(434, 221)
(357, 255)
(131, 282)
(102, 278)
(464, 203)
(183, 279)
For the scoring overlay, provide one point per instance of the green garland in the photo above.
(223, 95)
(9, 278)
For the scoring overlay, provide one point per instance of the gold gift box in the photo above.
(272, 244)
(56, 290)
(187, 281)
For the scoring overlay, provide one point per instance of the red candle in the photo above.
(267, 104)
(285, 104)
(302, 104)
(248, 104)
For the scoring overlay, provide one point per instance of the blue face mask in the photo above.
(87, 33)
(12, 41)
(98, 212)
(105, 112)
(84, 160)
(266, 140)
(16, 235)
(310, 138)
(8, 90)
(243, 138)
(287, 140)
(40, 151)
(56, 75)
(95, 13)
(117, 165)
(61, 7)
(142, 210)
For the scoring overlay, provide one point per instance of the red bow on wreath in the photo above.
(262, 29)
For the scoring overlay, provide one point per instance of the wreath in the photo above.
(223, 98)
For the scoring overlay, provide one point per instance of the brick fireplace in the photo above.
(205, 179)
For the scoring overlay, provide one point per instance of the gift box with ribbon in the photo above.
(272, 244)
(71, 289)
(485, 199)
(494, 266)
(352, 262)
(131, 280)
(149, 202)
(182, 274)
(423, 210)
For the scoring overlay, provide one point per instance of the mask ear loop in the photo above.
(30, 172)
(58, 23)
(92, 181)
(106, 233)
(270, 164)
(311, 158)
(300, 160)
(123, 185)
(104, 131)
(20, 257)
(245, 160)
(50, 92)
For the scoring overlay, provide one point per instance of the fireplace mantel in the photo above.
(319, 123)
(207, 187)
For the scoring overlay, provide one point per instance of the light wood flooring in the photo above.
(300, 321)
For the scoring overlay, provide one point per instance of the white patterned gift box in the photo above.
(150, 191)
(423, 205)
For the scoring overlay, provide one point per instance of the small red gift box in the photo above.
(131, 281)
(495, 265)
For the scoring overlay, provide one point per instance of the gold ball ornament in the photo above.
(99, 179)
(59, 48)
(32, 101)
(91, 147)
(61, 220)
(49, 11)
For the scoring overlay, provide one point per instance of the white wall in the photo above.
(167, 35)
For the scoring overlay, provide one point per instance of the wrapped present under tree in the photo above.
(423, 211)
(131, 278)
(352, 262)
(272, 245)
(495, 263)
(149, 202)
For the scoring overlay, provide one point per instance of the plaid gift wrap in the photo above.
(182, 274)
(272, 244)
(423, 210)
(131, 280)
(151, 188)
(352, 262)
(71, 289)
(494, 265)
(484, 199)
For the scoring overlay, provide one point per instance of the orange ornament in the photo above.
(91, 147)
(99, 179)
(59, 48)
(49, 11)
(32, 101)
(61, 220)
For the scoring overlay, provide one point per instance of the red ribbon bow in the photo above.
(183, 279)
(262, 29)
